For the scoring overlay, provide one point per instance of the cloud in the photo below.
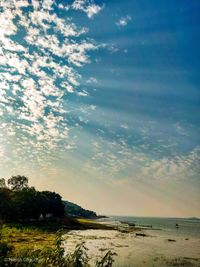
(83, 93)
(2, 153)
(115, 154)
(124, 126)
(117, 160)
(92, 80)
(180, 129)
(86, 6)
(123, 21)
(112, 48)
(179, 167)
(38, 72)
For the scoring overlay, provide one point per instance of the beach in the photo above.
(156, 248)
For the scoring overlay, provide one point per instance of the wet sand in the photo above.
(157, 248)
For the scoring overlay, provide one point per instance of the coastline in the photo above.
(150, 247)
(134, 246)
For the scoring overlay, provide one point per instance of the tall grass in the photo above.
(49, 256)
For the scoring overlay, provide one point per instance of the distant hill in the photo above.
(72, 209)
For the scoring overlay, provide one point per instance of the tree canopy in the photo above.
(2, 183)
(19, 202)
(18, 182)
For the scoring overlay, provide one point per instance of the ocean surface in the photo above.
(188, 227)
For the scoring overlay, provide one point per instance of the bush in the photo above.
(107, 260)
(79, 257)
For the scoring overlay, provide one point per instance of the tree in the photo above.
(6, 205)
(2, 183)
(25, 203)
(18, 182)
(50, 202)
(22, 203)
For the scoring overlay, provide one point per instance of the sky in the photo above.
(100, 102)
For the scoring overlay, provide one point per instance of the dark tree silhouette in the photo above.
(50, 203)
(18, 182)
(23, 203)
(6, 205)
(2, 183)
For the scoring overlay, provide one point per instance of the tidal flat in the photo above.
(154, 248)
(131, 246)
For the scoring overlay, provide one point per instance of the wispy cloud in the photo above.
(89, 7)
(179, 167)
(92, 80)
(144, 168)
(123, 21)
(39, 70)
(109, 119)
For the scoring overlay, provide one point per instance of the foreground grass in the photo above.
(39, 244)
(31, 246)
(27, 237)
(41, 234)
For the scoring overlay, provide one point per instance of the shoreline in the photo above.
(134, 246)
(137, 246)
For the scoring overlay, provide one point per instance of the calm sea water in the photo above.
(186, 227)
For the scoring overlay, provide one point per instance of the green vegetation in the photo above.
(72, 209)
(39, 235)
(19, 202)
(30, 223)
(50, 255)
(20, 237)
(91, 224)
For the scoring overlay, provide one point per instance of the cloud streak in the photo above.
(40, 54)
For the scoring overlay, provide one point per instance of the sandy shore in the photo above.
(154, 249)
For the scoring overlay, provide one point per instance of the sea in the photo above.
(178, 226)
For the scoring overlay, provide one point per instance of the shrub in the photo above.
(107, 260)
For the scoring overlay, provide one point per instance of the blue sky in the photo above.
(99, 101)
